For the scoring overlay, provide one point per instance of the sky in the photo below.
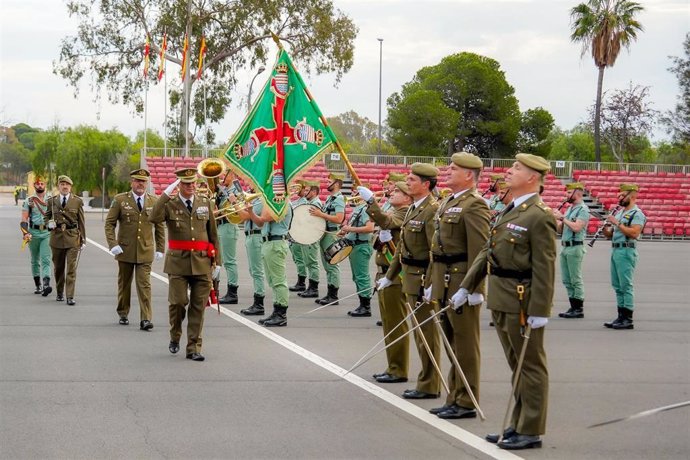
(529, 38)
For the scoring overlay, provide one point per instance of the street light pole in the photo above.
(380, 76)
(249, 95)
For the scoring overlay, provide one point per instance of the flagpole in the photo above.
(146, 104)
(205, 125)
(165, 114)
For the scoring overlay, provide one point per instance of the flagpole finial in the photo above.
(277, 40)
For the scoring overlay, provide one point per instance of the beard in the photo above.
(623, 202)
(39, 189)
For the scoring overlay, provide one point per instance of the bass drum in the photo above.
(338, 251)
(305, 228)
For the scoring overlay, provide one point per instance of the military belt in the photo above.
(424, 263)
(567, 244)
(623, 245)
(67, 226)
(505, 273)
(274, 238)
(332, 228)
(252, 232)
(358, 242)
(38, 227)
(222, 221)
(449, 259)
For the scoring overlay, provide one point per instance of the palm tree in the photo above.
(604, 26)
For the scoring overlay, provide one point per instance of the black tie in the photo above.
(64, 201)
(139, 203)
(189, 205)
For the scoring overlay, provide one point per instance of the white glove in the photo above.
(383, 283)
(168, 191)
(83, 246)
(215, 274)
(385, 236)
(365, 193)
(459, 298)
(537, 321)
(427, 294)
(51, 225)
(475, 298)
(158, 255)
(116, 250)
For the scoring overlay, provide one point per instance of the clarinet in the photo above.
(601, 228)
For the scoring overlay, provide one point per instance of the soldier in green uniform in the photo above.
(494, 202)
(227, 235)
(35, 231)
(358, 232)
(520, 258)
(391, 302)
(462, 228)
(65, 216)
(192, 260)
(252, 243)
(573, 229)
(334, 214)
(135, 246)
(311, 252)
(412, 258)
(296, 249)
(624, 228)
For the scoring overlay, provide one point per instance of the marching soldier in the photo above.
(357, 232)
(573, 226)
(310, 252)
(391, 301)
(227, 235)
(296, 249)
(334, 214)
(624, 228)
(495, 203)
(252, 243)
(65, 215)
(192, 260)
(462, 228)
(134, 246)
(520, 259)
(35, 231)
(412, 258)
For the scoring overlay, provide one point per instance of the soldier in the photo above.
(391, 303)
(310, 252)
(624, 228)
(334, 214)
(135, 246)
(412, 258)
(573, 226)
(192, 260)
(520, 259)
(495, 203)
(65, 215)
(462, 228)
(357, 232)
(296, 249)
(35, 231)
(252, 243)
(227, 235)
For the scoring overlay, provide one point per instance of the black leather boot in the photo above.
(626, 321)
(312, 291)
(257, 308)
(37, 282)
(230, 297)
(576, 309)
(278, 318)
(364, 308)
(299, 286)
(46, 287)
(331, 296)
(610, 324)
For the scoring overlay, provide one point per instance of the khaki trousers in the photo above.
(143, 285)
(65, 266)
(200, 287)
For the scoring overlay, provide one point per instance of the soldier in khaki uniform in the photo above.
(192, 260)
(462, 228)
(391, 301)
(520, 257)
(65, 216)
(134, 245)
(412, 258)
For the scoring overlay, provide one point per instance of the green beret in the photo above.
(141, 174)
(629, 187)
(575, 186)
(396, 176)
(534, 162)
(402, 186)
(186, 175)
(424, 169)
(65, 179)
(467, 160)
(336, 176)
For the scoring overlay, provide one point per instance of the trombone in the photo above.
(231, 211)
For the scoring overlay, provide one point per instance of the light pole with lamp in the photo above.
(249, 95)
(380, 76)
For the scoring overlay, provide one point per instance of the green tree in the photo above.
(604, 27)
(15, 159)
(535, 127)
(486, 119)
(358, 135)
(678, 120)
(46, 152)
(108, 46)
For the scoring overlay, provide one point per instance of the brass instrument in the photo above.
(231, 211)
(355, 199)
(211, 169)
(601, 228)
(295, 188)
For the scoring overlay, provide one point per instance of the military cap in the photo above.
(629, 188)
(186, 175)
(534, 162)
(497, 177)
(502, 185)
(575, 186)
(396, 176)
(402, 186)
(64, 178)
(141, 174)
(336, 176)
(424, 169)
(467, 160)
(38, 178)
(311, 183)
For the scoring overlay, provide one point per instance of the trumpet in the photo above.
(231, 211)
(355, 199)
(601, 228)
(211, 169)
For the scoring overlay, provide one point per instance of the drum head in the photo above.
(341, 255)
(305, 228)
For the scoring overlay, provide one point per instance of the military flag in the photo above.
(202, 54)
(161, 64)
(147, 52)
(184, 56)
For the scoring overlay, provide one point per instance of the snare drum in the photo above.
(338, 251)
(305, 228)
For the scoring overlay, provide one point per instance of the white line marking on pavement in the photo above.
(421, 414)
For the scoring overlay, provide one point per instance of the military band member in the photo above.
(35, 230)
(135, 246)
(389, 186)
(495, 203)
(462, 228)
(412, 258)
(391, 302)
(253, 243)
(65, 216)
(520, 257)
(624, 228)
(295, 248)
(358, 232)
(334, 214)
(573, 229)
(311, 252)
(227, 235)
(192, 260)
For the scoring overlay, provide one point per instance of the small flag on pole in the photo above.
(161, 65)
(184, 56)
(202, 54)
(147, 52)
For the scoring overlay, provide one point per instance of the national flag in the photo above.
(184, 56)
(202, 54)
(161, 64)
(147, 52)
(283, 134)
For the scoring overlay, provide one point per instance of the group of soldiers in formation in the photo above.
(436, 261)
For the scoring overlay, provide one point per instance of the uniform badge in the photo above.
(453, 210)
(517, 228)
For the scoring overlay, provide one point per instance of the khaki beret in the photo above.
(311, 183)
(467, 160)
(396, 176)
(186, 175)
(497, 177)
(336, 176)
(424, 169)
(141, 174)
(575, 186)
(629, 188)
(534, 162)
(65, 179)
(502, 185)
(402, 186)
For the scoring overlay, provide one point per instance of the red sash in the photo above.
(180, 245)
